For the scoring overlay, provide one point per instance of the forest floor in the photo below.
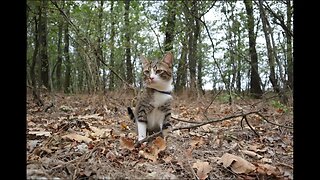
(84, 136)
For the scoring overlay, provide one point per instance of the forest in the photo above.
(232, 77)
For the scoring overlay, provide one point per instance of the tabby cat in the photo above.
(153, 109)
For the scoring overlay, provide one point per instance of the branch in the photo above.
(151, 137)
(153, 32)
(206, 111)
(280, 19)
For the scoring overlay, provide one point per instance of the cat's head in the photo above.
(158, 74)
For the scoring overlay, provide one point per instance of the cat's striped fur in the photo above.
(153, 109)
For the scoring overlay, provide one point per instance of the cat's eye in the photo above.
(159, 71)
(146, 72)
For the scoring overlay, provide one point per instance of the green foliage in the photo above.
(279, 106)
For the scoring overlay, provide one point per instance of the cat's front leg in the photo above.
(166, 109)
(142, 120)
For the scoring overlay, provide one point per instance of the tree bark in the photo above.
(67, 82)
(181, 80)
(289, 45)
(270, 52)
(171, 18)
(129, 74)
(59, 59)
(112, 42)
(255, 88)
(44, 44)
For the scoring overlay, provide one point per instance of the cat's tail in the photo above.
(131, 114)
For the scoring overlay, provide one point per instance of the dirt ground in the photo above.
(91, 137)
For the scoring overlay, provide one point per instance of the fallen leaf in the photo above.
(126, 143)
(148, 155)
(196, 141)
(102, 133)
(40, 133)
(252, 154)
(77, 137)
(160, 143)
(237, 164)
(203, 168)
(268, 169)
(91, 116)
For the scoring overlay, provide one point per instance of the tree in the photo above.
(67, 82)
(59, 59)
(43, 43)
(169, 33)
(112, 44)
(255, 88)
(129, 75)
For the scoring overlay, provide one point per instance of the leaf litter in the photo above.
(91, 137)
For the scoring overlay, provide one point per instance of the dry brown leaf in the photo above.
(102, 133)
(160, 143)
(252, 154)
(196, 141)
(148, 155)
(126, 143)
(40, 133)
(203, 168)
(268, 169)
(77, 137)
(237, 164)
(91, 116)
(257, 148)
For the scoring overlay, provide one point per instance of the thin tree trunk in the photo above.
(112, 42)
(44, 44)
(59, 60)
(289, 45)
(67, 82)
(192, 46)
(182, 67)
(129, 75)
(255, 88)
(272, 76)
(171, 18)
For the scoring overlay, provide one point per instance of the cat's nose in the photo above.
(151, 78)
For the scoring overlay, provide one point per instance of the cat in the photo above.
(153, 109)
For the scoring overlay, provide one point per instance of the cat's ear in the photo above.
(144, 61)
(168, 58)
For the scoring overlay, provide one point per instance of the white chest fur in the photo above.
(156, 117)
(159, 99)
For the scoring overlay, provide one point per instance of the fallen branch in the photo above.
(206, 110)
(244, 115)
(182, 120)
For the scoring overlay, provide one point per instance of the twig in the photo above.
(264, 118)
(192, 122)
(245, 118)
(244, 115)
(206, 110)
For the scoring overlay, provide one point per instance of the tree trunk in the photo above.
(127, 43)
(255, 88)
(112, 42)
(100, 57)
(182, 67)
(59, 60)
(171, 18)
(192, 29)
(266, 30)
(67, 82)
(44, 44)
(289, 45)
